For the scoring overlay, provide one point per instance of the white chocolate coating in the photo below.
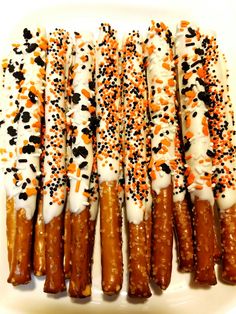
(197, 143)
(221, 122)
(135, 124)
(26, 77)
(54, 184)
(162, 100)
(108, 102)
(79, 120)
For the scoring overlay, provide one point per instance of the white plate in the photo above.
(124, 15)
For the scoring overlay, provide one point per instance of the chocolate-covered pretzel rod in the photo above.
(58, 60)
(29, 100)
(197, 146)
(135, 163)
(80, 163)
(108, 151)
(222, 128)
(162, 98)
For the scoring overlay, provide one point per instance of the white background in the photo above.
(181, 296)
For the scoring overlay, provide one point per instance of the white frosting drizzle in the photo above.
(198, 147)
(79, 118)
(58, 62)
(108, 102)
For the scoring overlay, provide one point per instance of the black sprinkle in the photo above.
(80, 150)
(83, 164)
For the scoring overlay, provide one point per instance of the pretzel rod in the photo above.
(25, 180)
(67, 242)
(228, 230)
(8, 123)
(55, 179)
(108, 158)
(135, 163)
(11, 228)
(148, 233)
(39, 263)
(162, 99)
(80, 163)
(198, 147)
(94, 193)
(222, 129)
(7, 81)
(149, 202)
(181, 206)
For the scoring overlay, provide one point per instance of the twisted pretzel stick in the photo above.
(135, 163)
(28, 143)
(198, 147)
(221, 123)
(80, 164)
(59, 50)
(108, 151)
(161, 87)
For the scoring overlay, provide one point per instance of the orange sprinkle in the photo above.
(188, 75)
(77, 186)
(189, 134)
(157, 129)
(201, 72)
(159, 81)
(31, 191)
(151, 49)
(71, 168)
(165, 142)
(153, 175)
(86, 139)
(171, 82)
(166, 66)
(184, 23)
(188, 121)
(85, 93)
(86, 194)
(154, 107)
(190, 94)
(190, 178)
(199, 187)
